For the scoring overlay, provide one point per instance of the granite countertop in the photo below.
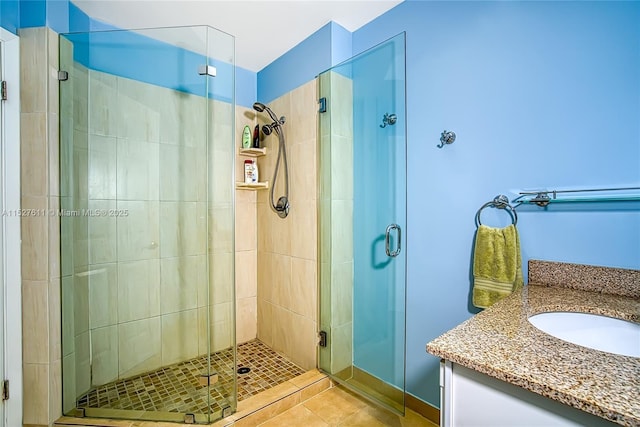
(501, 343)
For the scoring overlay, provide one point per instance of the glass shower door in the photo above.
(147, 250)
(2, 246)
(362, 220)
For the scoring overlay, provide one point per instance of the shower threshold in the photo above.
(178, 388)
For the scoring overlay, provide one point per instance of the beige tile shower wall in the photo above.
(42, 355)
(136, 290)
(246, 239)
(221, 229)
(287, 248)
(147, 284)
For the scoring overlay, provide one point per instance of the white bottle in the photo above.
(250, 171)
(255, 171)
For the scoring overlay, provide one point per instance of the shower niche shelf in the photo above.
(253, 186)
(253, 152)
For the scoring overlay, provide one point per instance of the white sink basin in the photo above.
(591, 330)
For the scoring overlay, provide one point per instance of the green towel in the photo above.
(497, 264)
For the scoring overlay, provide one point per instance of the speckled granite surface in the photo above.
(607, 280)
(501, 343)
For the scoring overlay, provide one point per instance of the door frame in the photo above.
(12, 280)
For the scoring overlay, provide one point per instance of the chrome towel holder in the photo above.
(501, 202)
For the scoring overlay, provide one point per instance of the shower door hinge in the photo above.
(63, 76)
(207, 70)
(5, 390)
(3, 90)
(323, 339)
(323, 105)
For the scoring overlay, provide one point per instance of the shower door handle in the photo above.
(387, 240)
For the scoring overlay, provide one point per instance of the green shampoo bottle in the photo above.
(246, 137)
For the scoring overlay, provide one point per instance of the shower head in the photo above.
(282, 207)
(267, 129)
(260, 107)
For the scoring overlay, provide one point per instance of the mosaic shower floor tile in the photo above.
(179, 387)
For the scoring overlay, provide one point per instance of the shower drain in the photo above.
(243, 370)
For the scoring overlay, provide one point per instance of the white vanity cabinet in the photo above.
(470, 398)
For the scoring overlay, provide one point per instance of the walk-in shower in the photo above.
(147, 239)
(154, 225)
(281, 207)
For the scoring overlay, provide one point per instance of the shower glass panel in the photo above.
(3, 292)
(362, 222)
(147, 224)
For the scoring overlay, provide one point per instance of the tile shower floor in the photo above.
(176, 388)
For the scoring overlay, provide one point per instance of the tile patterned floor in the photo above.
(339, 407)
(176, 388)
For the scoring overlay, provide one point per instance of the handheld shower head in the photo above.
(282, 206)
(260, 107)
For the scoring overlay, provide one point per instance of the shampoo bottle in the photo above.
(246, 137)
(256, 177)
(250, 171)
(256, 137)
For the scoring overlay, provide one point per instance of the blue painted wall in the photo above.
(136, 56)
(107, 50)
(246, 87)
(60, 15)
(297, 66)
(10, 15)
(541, 95)
(328, 46)
(33, 13)
(341, 44)
(40, 13)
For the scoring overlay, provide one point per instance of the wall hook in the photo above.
(446, 137)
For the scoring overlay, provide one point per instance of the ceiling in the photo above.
(263, 29)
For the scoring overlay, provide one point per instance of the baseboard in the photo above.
(385, 394)
(423, 408)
